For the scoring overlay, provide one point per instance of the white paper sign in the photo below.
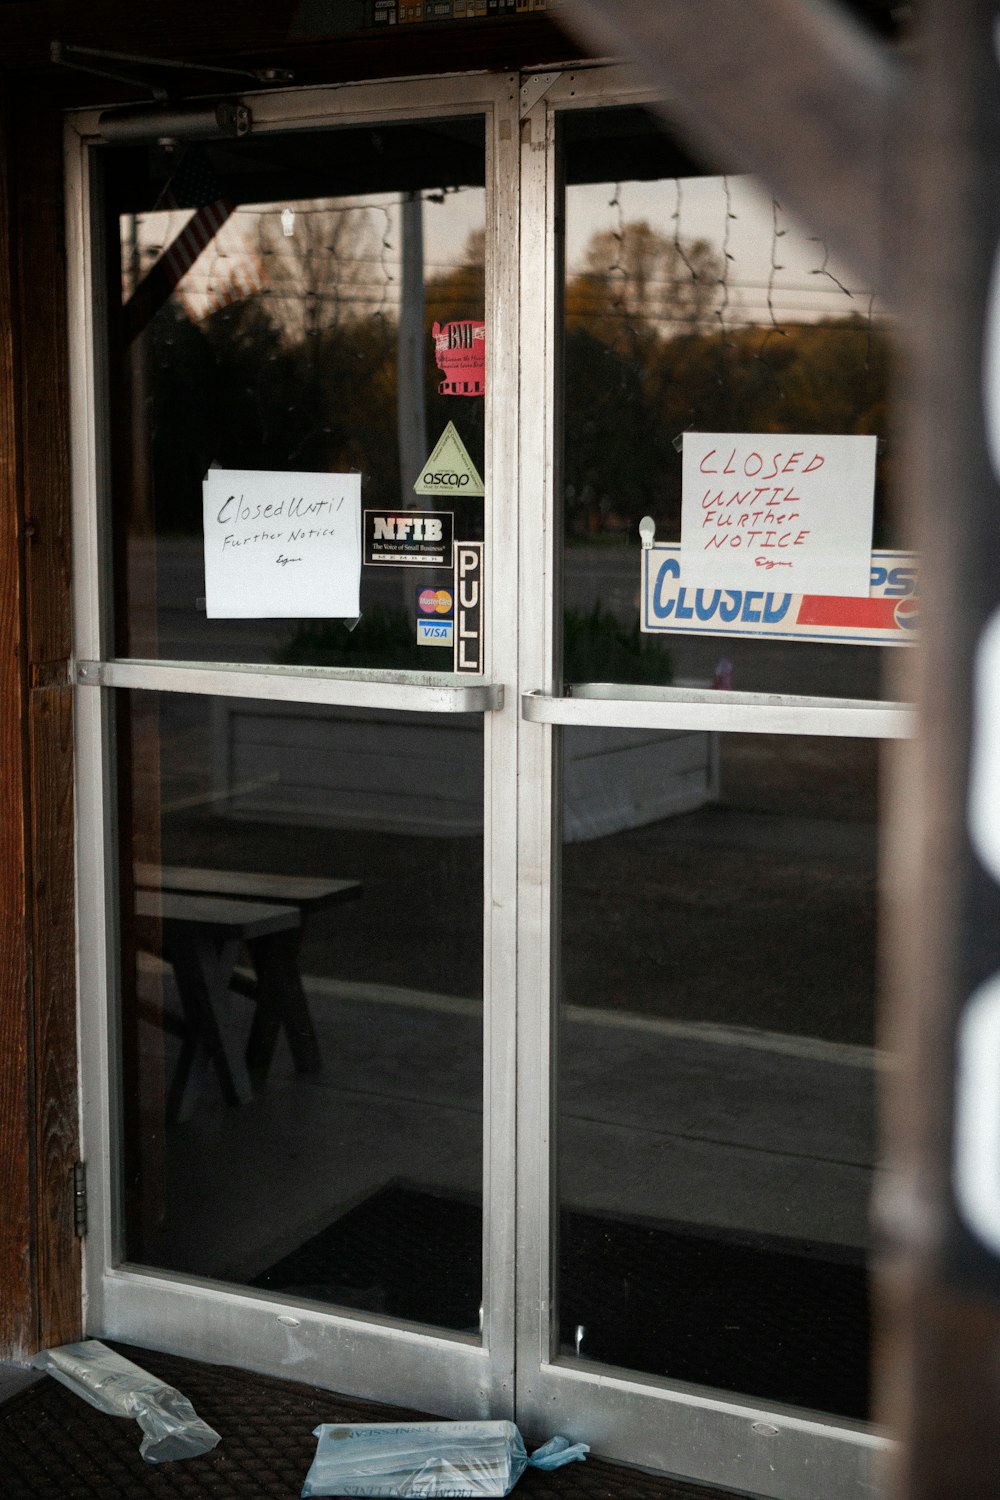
(282, 546)
(788, 511)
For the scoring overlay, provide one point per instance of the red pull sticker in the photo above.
(460, 351)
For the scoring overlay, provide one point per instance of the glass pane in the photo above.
(717, 1071)
(693, 301)
(299, 339)
(302, 1000)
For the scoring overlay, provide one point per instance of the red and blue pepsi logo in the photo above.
(906, 614)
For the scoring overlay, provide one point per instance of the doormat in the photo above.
(776, 1319)
(53, 1446)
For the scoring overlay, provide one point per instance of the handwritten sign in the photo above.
(281, 546)
(788, 511)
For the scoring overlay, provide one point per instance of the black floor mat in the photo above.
(53, 1446)
(771, 1318)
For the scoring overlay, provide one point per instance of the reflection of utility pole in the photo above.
(142, 625)
(411, 418)
(138, 748)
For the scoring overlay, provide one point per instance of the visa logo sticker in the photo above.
(435, 632)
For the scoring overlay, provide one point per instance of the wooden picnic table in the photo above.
(201, 937)
(274, 947)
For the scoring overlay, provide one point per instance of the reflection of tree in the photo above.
(327, 271)
(300, 376)
(461, 291)
(647, 356)
(637, 285)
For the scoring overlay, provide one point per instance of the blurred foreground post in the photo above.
(900, 171)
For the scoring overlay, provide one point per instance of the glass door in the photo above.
(465, 969)
(296, 763)
(699, 1065)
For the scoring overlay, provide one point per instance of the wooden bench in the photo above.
(277, 986)
(201, 937)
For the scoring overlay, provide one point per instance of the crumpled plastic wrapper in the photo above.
(116, 1386)
(428, 1459)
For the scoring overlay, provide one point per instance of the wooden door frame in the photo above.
(39, 1250)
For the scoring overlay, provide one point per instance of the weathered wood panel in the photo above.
(44, 392)
(18, 1321)
(56, 1136)
(45, 492)
(40, 1261)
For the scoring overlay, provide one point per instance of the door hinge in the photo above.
(80, 1199)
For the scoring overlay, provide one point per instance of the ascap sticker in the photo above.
(460, 351)
(435, 617)
(469, 606)
(888, 617)
(449, 470)
(409, 538)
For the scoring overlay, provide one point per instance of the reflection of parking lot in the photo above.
(759, 911)
(717, 972)
(755, 911)
(669, 1122)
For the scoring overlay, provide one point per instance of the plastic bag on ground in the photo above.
(115, 1385)
(427, 1459)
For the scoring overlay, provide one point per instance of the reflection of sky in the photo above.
(769, 256)
(766, 248)
(262, 248)
(805, 281)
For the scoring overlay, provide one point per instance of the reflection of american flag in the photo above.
(228, 272)
(193, 185)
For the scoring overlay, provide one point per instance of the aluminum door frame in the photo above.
(702, 1434)
(369, 1356)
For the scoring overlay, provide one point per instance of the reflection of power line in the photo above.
(753, 286)
(299, 256)
(582, 304)
(269, 210)
(592, 302)
(750, 317)
(332, 206)
(450, 268)
(280, 287)
(370, 294)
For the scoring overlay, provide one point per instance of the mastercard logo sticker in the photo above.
(435, 602)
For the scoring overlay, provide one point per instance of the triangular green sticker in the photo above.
(449, 471)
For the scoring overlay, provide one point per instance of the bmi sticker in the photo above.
(468, 606)
(460, 352)
(435, 616)
(449, 470)
(409, 538)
